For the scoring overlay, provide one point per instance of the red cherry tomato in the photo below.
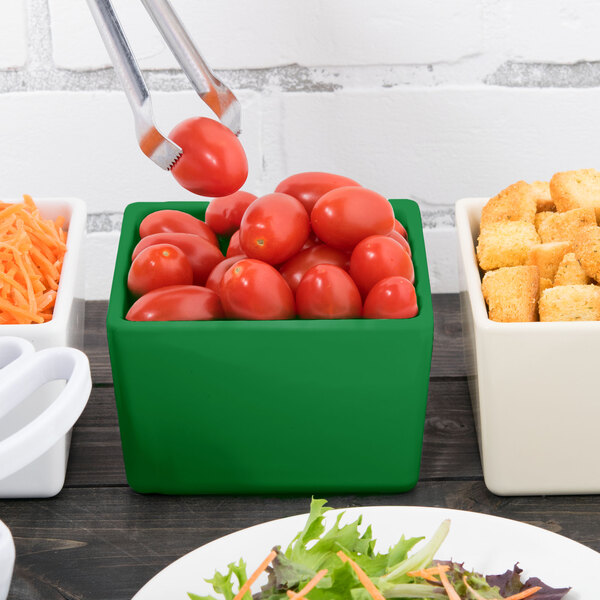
(252, 289)
(203, 255)
(213, 162)
(177, 303)
(401, 240)
(328, 292)
(274, 228)
(377, 257)
(391, 298)
(176, 221)
(294, 269)
(311, 241)
(159, 266)
(216, 275)
(224, 215)
(400, 229)
(345, 216)
(234, 248)
(309, 187)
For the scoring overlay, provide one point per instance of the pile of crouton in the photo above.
(539, 245)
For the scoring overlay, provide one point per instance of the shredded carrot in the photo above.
(525, 594)
(32, 251)
(362, 577)
(429, 573)
(309, 586)
(263, 565)
(452, 593)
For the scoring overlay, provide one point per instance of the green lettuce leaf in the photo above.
(316, 547)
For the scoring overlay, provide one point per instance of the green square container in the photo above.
(298, 406)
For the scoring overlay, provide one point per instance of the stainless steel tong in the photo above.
(210, 89)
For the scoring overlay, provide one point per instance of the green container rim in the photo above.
(407, 211)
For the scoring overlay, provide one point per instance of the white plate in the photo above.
(484, 543)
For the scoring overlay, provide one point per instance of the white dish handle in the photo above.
(16, 384)
(14, 352)
(12, 349)
(7, 560)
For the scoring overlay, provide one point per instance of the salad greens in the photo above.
(398, 573)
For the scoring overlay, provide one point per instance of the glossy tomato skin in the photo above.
(224, 214)
(345, 216)
(377, 257)
(328, 292)
(391, 298)
(309, 187)
(234, 248)
(274, 228)
(158, 266)
(400, 229)
(294, 269)
(176, 221)
(254, 290)
(177, 303)
(216, 275)
(203, 255)
(213, 162)
(401, 240)
(311, 241)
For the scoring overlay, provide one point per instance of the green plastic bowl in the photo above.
(297, 406)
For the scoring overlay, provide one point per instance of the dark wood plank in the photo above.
(450, 448)
(96, 457)
(447, 358)
(449, 445)
(95, 343)
(104, 544)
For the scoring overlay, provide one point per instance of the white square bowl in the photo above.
(45, 476)
(533, 386)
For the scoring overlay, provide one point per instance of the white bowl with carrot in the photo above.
(41, 301)
(41, 270)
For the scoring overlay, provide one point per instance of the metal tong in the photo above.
(211, 90)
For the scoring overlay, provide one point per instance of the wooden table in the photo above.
(99, 540)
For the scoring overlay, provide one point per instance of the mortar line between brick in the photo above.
(40, 74)
(108, 222)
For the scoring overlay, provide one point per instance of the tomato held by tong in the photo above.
(213, 162)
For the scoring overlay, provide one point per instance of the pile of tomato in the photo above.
(319, 247)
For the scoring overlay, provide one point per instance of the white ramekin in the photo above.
(7, 560)
(534, 388)
(45, 476)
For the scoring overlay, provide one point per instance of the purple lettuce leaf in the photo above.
(510, 583)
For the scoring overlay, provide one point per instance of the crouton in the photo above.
(570, 272)
(565, 226)
(541, 194)
(570, 303)
(545, 283)
(512, 293)
(587, 251)
(576, 189)
(515, 203)
(547, 257)
(505, 244)
(540, 218)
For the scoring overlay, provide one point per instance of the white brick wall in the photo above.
(440, 144)
(423, 99)
(13, 37)
(563, 32)
(237, 34)
(82, 144)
